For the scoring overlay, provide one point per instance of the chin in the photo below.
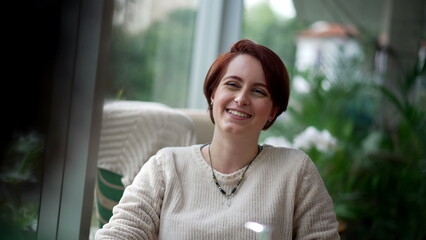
(239, 129)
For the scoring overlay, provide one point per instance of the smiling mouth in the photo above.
(238, 114)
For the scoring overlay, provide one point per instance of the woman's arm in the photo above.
(136, 216)
(314, 217)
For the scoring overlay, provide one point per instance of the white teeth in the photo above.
(239, 114)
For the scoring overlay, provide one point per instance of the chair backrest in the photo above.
(132, 132)
(202, 123)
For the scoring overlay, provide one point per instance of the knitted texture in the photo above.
(173, 197)
(133, 131)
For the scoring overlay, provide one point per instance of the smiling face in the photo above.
(241, 101)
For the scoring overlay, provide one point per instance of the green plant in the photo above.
(376, 174)
(391, 179)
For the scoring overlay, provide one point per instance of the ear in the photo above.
(212, 97)
(274, 113)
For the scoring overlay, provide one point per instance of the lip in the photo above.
(238, 114)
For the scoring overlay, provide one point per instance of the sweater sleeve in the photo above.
(137, 215)
(314, 217)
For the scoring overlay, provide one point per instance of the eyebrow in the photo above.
(241, 80)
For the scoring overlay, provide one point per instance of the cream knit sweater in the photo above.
(173, 197)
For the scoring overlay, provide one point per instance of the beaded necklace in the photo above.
(234, 190)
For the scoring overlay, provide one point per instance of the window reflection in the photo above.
(31, 47)
(20, 185)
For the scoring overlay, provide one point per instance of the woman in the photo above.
(210, 191)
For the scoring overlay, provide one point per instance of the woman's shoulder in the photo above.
(169, 157)
(293, 153)
(171, 154)
(286, 156)
(290, 158)
(177, 150)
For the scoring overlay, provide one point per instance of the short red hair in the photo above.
(276, 75)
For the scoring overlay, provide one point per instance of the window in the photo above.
(273, 24)
(151, 47)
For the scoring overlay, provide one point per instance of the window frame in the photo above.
(74, 123)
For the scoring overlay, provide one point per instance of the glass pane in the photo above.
(273, 24)
(151, 51)
(149, 60)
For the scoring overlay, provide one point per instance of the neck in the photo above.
(230, 154)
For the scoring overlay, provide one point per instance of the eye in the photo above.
(260, 92)
(232, 84)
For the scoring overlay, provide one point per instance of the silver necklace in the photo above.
(227, 202)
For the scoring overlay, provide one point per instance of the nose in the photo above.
(242, 99)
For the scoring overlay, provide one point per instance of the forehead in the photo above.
(246, 67)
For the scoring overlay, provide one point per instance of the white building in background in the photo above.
(323, 44)
(138, 15)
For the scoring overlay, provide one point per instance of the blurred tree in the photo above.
(153, 64)
(262, 25)
(174, 52)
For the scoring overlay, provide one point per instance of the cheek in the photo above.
(265, 109)
(221, 97)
